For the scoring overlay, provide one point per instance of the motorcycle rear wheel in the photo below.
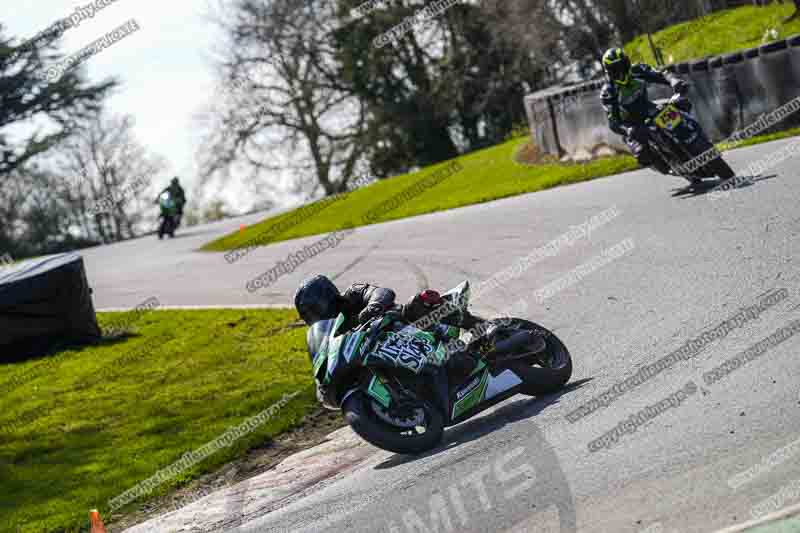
(721, 168)
(718, 167)
(359, 412)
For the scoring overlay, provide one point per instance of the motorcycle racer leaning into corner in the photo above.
(624, 98)
(319, 299)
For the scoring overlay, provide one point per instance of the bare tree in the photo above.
(106, 176)
(283, 114)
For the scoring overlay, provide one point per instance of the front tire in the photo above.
(547, 371)
(359, 414)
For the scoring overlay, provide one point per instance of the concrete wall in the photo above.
(729, 93)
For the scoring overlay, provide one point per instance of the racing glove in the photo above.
(679, 86)
(370, 312)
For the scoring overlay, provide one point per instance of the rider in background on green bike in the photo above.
(178, 195)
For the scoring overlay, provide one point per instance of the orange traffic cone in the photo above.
(241, 227)
(96, 523)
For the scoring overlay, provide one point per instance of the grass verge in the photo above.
(101, 419)
(718, 33)
(486, 175)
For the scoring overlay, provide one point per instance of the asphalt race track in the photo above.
(524, 466)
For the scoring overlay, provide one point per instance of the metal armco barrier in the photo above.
(729, 92)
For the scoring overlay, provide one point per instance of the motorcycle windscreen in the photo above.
(317, 341)
(460, 294)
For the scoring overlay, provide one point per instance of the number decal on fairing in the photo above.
(669, 118)
(409, 352)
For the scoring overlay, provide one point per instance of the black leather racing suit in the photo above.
(628, 106)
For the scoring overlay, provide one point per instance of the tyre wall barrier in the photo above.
(729, 92)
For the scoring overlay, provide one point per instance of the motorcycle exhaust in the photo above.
(533, 344)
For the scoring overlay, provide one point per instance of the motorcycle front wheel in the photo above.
(417, 428)
(549, 369)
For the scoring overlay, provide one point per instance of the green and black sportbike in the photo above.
(168, 215)
(396, 388)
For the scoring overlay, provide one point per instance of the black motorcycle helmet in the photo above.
(317, 299)
(617, 66)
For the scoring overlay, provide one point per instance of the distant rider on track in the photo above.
(176, 192)
(624, 98)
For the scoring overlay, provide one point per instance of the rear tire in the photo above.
(555, 362)
(359, 415)
(718, 167)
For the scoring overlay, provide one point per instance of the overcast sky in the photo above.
(165, 67)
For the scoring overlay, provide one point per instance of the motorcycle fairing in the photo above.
(415, 351)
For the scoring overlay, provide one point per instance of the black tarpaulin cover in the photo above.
(45, 302)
